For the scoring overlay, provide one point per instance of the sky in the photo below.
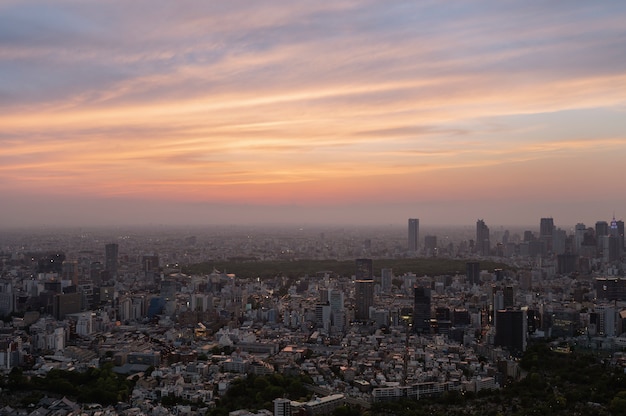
(345, 112)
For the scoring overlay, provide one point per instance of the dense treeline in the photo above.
(96, 385)
(258, 392)
(298, 268)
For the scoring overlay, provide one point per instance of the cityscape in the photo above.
(150, 303)
(345, 208)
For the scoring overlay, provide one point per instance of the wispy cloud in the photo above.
(235, 100)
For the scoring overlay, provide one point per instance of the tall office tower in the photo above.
(509, 296)
(324, 295)
(110, 259)
(620, 233)
(498, 298)
(617, 233)
(414, 234)
(602, 229)
(529, 236)
(421, 310)
(364, 270)
(483, 246)
(364, 298)
(579, 236)
(472, 272)
(282, 407)
(546, 228)
(335, 300)
(322, 315)
(609, 247)
(386, 280)
(511, 330)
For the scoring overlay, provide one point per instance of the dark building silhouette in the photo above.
(363, 298)
(66, 303)
(472, 272)
(483, 245)
(511, 330)
(602, 228)
(509, 296)
(461, 317)
(546, 228)
(442, 313)
(421, 310)
(619, 225)
(364, 269)
(414, 234)
(567, 263)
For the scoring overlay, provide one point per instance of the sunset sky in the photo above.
(220, 112)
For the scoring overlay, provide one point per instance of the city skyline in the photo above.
(345, 113)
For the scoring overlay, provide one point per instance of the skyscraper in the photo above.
(364, 269)
(472, 272)
(579, 236)
(414, 234)
(546, 228)
(386, 280)
(110, 259)
(483, 245)
(364, 298)
(602, 230)
(620, 232)
(511, 330)
(421, 310)
(617, 231)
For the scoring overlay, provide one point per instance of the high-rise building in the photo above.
(364, 269)
(414, 234)
(483, 245)
(509, 296)
(364, 298)
(579, 236)
(511, 330)
(617, 231)
(110, 259)
(421, 310)
(558, 241)
(602, 228)
(386, 280)
(473, 272)
(620, 233)
(546, 228)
